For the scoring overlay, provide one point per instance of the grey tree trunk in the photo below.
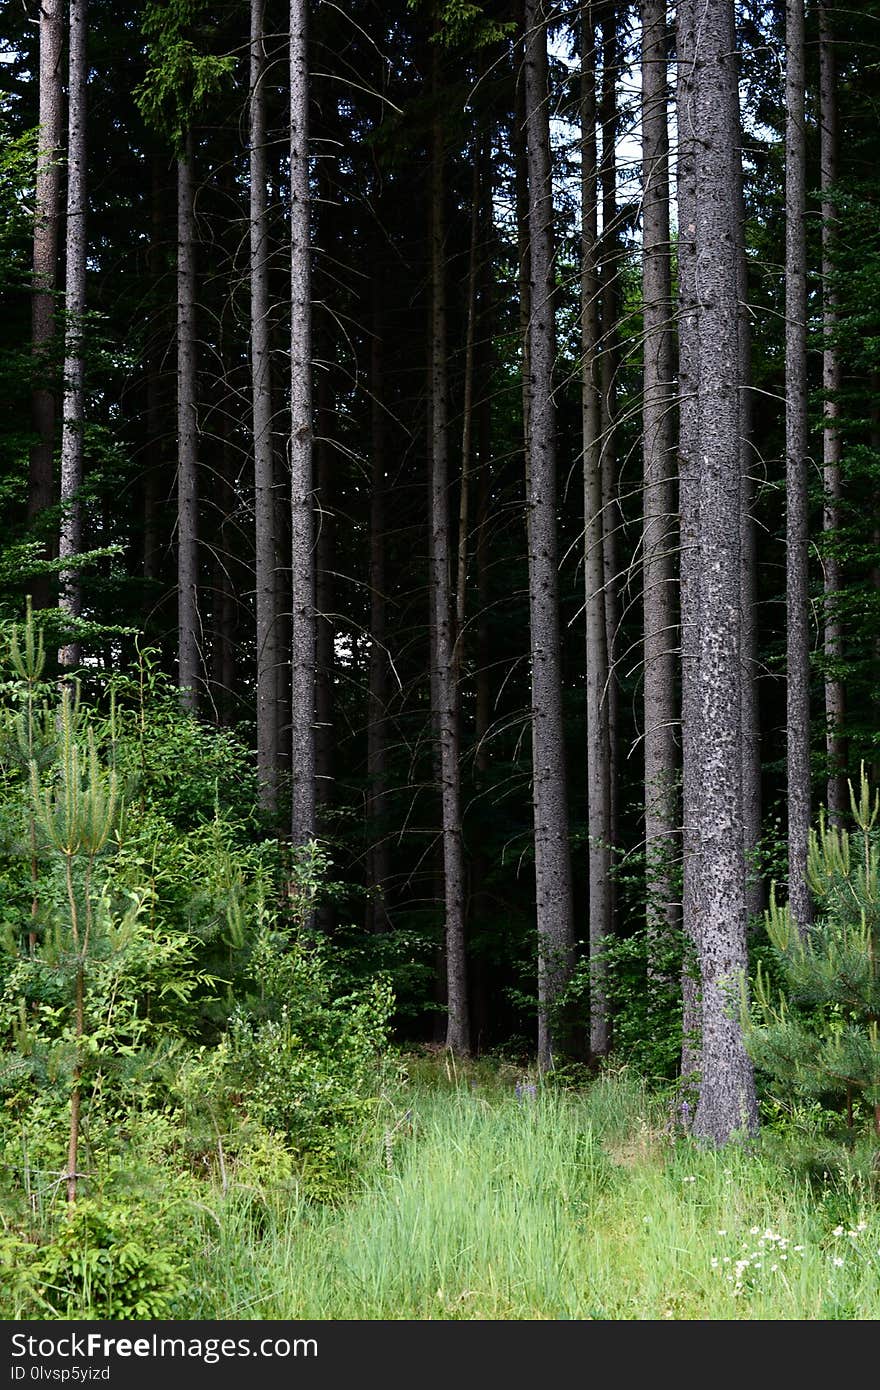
(73, 413)
(302, 525)
(378, 866)
(445, 687)
(796, 447)
(689, 526)
(832, 443)
(45, 269)
(597, 672)
(727, 1103)
(658, 539)
(609, 120)
(188, 659)
(552, 850)
(751, 723)
(521, 194)
(467, 424)
(325, 590)
(265, 539)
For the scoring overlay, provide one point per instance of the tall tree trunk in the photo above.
(157, 401)
(467, 426)
(266, 539)
(832, 443)
(72, 436)
(661, 818)
(303, 633)
(796, 511)
(727, 1103)
(446, 688)
(521, 197)
(45, 270)
(751, 722)
(377, 872)
(325, 591)
(609, 120)
(188, 662)
(224, 562)
(552, 850)
(597, 682)
(689, 526)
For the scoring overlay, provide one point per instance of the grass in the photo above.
(491, 1197)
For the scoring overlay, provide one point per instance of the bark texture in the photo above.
(188, 658)
(265, 539)
(832, 442)
(445, 687)
(552, 853)
(727, 1103)
(796, 464)
(302, 523)
(661, 793)
(597, 671)
(73, 413)
(689, 527)
(45, 268)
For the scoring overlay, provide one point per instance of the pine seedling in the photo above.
(821, 1034)
(76, 817)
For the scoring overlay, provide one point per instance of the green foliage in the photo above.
(134, 878)
(820, 1035)
(181, 77)
(102, 1259)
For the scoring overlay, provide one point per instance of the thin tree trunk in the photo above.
(45, 271)
(72, 436)
(377, 698)
(188, 664)
(325, 591)
(266, 540)
(727, 1103)
(835, 701)
(597, 679)
(521, 196)
(446, 689)
(552, 851)
(467, 427)
(689, 525)
(157, 406)
(303, 633)
(609, 120)
(751, 722)
(797, 521)
(658, 442)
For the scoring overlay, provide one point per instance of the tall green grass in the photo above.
(487, 1200)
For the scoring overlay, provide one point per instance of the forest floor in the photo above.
(489, 1196)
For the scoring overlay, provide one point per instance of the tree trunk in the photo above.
(467, 426)
(188, 663)
(727, 1103)
(832, 443)
(796, 512)
(325, 589)
(72, 437)
(552, 851)
(689, 525)
(303, 626)
(751, 721)
(377, 872)
(445, 685)
(45, 271)
(661, 795)
(609, 120)
(597, 678)
(266, 540)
